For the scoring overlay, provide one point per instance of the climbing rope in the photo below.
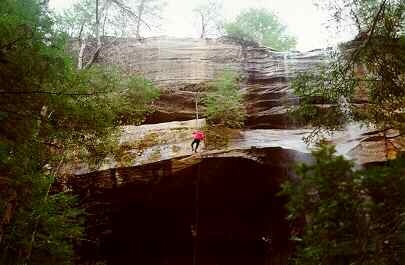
(197, 213)
(197, 95)
(195, 229)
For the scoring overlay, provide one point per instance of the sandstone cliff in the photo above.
(145, 201)
(178, 66)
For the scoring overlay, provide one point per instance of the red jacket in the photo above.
(199, 135)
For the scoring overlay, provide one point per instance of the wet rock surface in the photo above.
(142, 200)
(178, 65)
(144, 212)
(268, 94)
(171, 142)
(147, 211)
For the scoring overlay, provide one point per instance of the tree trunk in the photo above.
(82, 44)
(105, 20)
(202, 36)
(38, 218)
(81, 53)
(98, 37)
(8, 213)
(139, 18)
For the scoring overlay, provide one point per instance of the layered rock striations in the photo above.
(144, 203)
(179, 66)
(142, 200)
(182, 66)
(268, 95)
(168, 144)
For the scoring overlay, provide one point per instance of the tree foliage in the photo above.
(260, 26)
(48, 107)
(117, 18)
(224, 102)
(96, 20)
(364, 80)
(350, 216)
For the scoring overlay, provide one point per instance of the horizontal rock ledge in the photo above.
(153, 143)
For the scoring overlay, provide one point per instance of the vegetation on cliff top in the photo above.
(260, 26)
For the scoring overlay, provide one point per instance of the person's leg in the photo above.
(197, 143)
(192, 144)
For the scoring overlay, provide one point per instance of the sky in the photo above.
(302, 18)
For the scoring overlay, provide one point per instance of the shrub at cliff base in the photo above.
(345, 216)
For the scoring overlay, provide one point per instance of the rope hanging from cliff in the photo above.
(197, 215)
(196, 99)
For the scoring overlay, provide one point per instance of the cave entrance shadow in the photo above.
(240, 219)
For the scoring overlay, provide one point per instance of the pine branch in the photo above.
(370, 32)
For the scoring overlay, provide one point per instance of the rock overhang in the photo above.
(155, 143)
(177, 65)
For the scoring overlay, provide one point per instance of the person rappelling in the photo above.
(198, 136)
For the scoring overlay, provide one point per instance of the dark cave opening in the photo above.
(241, 220)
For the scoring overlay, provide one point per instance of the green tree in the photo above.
(90, 20)
(364, 80)
(93, 20)
(48, 109)
(353, 217)
(261, 26)
(224, 102)
(347, 216)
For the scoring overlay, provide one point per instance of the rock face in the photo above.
(155, 143)
(145, 204)
(170, 143)
(179, 65)
(156, 202)
(267, 90)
